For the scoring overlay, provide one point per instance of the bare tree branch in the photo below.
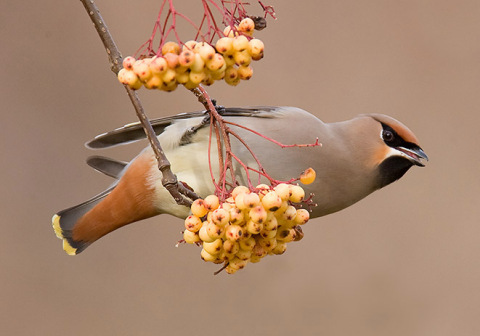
(169, 180)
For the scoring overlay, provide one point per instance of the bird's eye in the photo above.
(388, 136)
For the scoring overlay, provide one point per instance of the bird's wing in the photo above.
(108, 166)
(134, 131)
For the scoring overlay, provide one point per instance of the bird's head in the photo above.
(396, 149)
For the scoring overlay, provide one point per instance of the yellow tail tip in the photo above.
(58, 231)
(56, 226)
(68, 248)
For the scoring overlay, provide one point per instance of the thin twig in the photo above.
(169, 180)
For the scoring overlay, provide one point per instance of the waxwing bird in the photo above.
(357, 157)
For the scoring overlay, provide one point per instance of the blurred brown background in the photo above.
(405, 261)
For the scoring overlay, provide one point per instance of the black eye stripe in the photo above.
(397, 140)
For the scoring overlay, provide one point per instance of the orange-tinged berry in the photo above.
(308, 176)
(198, 208)
(172, 60)
(246, 26)
(211, 202)
(193, 223)
(245, 72)
(186, 58)
(170, 47)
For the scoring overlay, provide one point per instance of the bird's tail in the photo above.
(64, 221)
(130, 200)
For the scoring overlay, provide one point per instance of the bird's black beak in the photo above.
(415, 155)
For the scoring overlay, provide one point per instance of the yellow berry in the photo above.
(258, 214)
(229, 60)
(183, 77)
(154, 82)
(220, 73)
(215, 231)
(169, 76)
(244, 254)
(215, 63)
(240, 43)
(205, 50)
(229, 32)
(207, 256)
(290, 213)
(220, 217)
(245, 72)
(302, 216)
(242, 58)
(197, 77)
(253, 227)
(297, 194)
(239, 190)
(267, 243)
(214, 247)
(122, 75)
(158, 65)
(256, 48)
(142, 70)
(271, 223)
(271, 201)
(190, 237)
(280, 248)
(198, 208)
(237, 263)
(224, 45)
(283, 190)
(234, 232)
(247, 244)
(189, 45)
(251, 200)
(231, 247)
(198, 64)
(204, 236)
(286, 235)
(128, 62)
(268, 233)
(236, 216)
(280, 211)
(189, 85)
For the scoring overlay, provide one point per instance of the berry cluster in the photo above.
(248, 226)
(196, 63)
